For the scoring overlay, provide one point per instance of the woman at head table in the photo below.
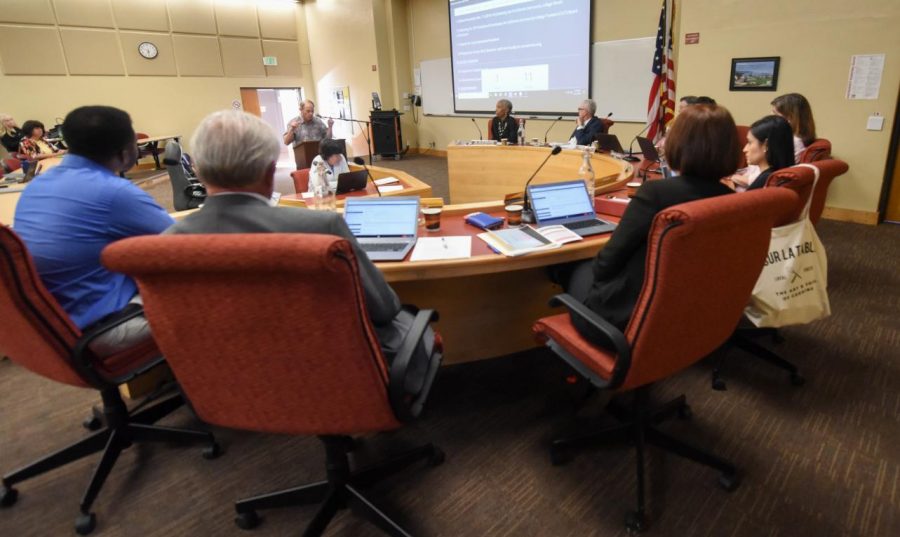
(703, 145)
(769, 148)
(504, 125)
(33, 146)
(796, 110)
(332, 161)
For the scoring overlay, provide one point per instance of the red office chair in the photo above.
(37, 334)
(829, 170)
(820, 149)
(12, 164)
(520, 122)
(607, 123)
(245, 362)
(681, 315)
(301, 180)
(742, 131)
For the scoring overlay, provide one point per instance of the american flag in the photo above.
(661, 104)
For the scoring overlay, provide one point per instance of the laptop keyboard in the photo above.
(583, 224)
(383, 246)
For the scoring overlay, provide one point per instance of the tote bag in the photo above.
(793, 286)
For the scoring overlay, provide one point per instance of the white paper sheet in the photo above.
(865, 76)
(387, 180)
(434, 248)
(390, 188)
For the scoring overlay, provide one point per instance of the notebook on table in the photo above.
(385, 228)
(567, 204)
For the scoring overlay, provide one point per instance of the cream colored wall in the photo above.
(815, 39)
(196, 40)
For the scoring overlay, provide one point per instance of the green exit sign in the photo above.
(270, 60)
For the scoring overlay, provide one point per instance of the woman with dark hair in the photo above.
(796, 110)
(33, 145)
(332, 160)
(769, 148)
(703, 145)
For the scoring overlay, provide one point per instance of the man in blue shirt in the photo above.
(71, 212)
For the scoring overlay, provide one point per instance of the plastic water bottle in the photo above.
(318, 186)
(329, 197)
(586, 171)
(521, 134)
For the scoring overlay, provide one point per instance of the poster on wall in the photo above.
(864, 82)
(339, 107)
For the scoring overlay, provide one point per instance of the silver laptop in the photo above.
(567, 204)
(385, 228)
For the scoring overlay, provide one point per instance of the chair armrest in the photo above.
(613, 338)
(195, 191)
(404, 408)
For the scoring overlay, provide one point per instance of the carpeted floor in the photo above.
(819, 460)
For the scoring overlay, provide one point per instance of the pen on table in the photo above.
(444, 243)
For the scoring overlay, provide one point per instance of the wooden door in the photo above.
(892, 211)
(250, 101)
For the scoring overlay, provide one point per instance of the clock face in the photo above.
(148, 50)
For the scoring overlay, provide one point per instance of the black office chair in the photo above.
(187, 192)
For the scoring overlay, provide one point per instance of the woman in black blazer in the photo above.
(503, 124)
(703, 145)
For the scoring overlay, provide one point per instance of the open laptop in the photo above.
(569, 205)
(350, 181)
(609, 142)
(648, 149)
(385, 228)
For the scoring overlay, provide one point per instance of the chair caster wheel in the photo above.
(213, 451)
(92, 424)
(797, 379)
(729, 482)
(560, 456)
(247, 521)
(718, 384)
(685, 412)
(437, 457)
(635, 522)
(85, 524)
(8, 496)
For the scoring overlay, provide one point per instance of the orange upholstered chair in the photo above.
(301, 180)
(829, 170)
(37, 334)
(12, 164)
(249, 362)
(820, 149)
(607, 123)
(687, 309)
(742, 131)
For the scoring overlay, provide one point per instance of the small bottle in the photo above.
(521, 134)
(318, 186)
(329, 198)
(586, 171)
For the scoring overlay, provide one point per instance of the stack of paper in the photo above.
(434, 248)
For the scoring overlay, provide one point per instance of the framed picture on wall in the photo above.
(754, 74)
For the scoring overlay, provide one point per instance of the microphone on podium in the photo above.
(527, 215)
(360, 162)
(550, 127)
(480, 137)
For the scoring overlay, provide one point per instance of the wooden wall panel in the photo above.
(137, 65)
(237, 19)
(92, 52)
(288, 54)
(278, 21)
(197, 55)
(242, 56)
(192, 16)
(91, 13)
(19, 56)
(141, 15)
(28, 11)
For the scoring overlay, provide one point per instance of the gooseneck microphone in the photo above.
(527, 215)
(630, 157)
(480, 137)
(550, 127)
(360, 162)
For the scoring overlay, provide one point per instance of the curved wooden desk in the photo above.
(411, 187)
(489, 172)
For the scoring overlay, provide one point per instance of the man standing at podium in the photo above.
(307, 127)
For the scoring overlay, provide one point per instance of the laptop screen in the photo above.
(558, 202)
(382, 217)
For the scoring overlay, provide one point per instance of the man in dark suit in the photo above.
(587, 125)
(235, 155)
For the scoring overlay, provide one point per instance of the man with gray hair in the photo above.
(587, 124)
(235, 155)
(307, 127)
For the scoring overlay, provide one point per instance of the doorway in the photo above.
(277, 107)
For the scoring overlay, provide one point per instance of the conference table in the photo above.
(406, 185)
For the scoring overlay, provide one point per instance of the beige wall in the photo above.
(208, 51)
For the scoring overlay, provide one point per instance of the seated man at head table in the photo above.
(307, 127)
(235, 155)
(587, 124)
(504, 126)
(75, 209)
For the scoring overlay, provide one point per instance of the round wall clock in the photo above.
(148, 50)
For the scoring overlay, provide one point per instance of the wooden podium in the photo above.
(307, 151)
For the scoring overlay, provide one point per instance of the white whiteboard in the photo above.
(621, 77)
(620, 80)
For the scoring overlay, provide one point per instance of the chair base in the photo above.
(637, 425)
(339, 490)
(742, 339)
(122, 431)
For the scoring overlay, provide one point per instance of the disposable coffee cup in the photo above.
(432, 218)
(514, 215)
(632, 188)
(504, 141)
